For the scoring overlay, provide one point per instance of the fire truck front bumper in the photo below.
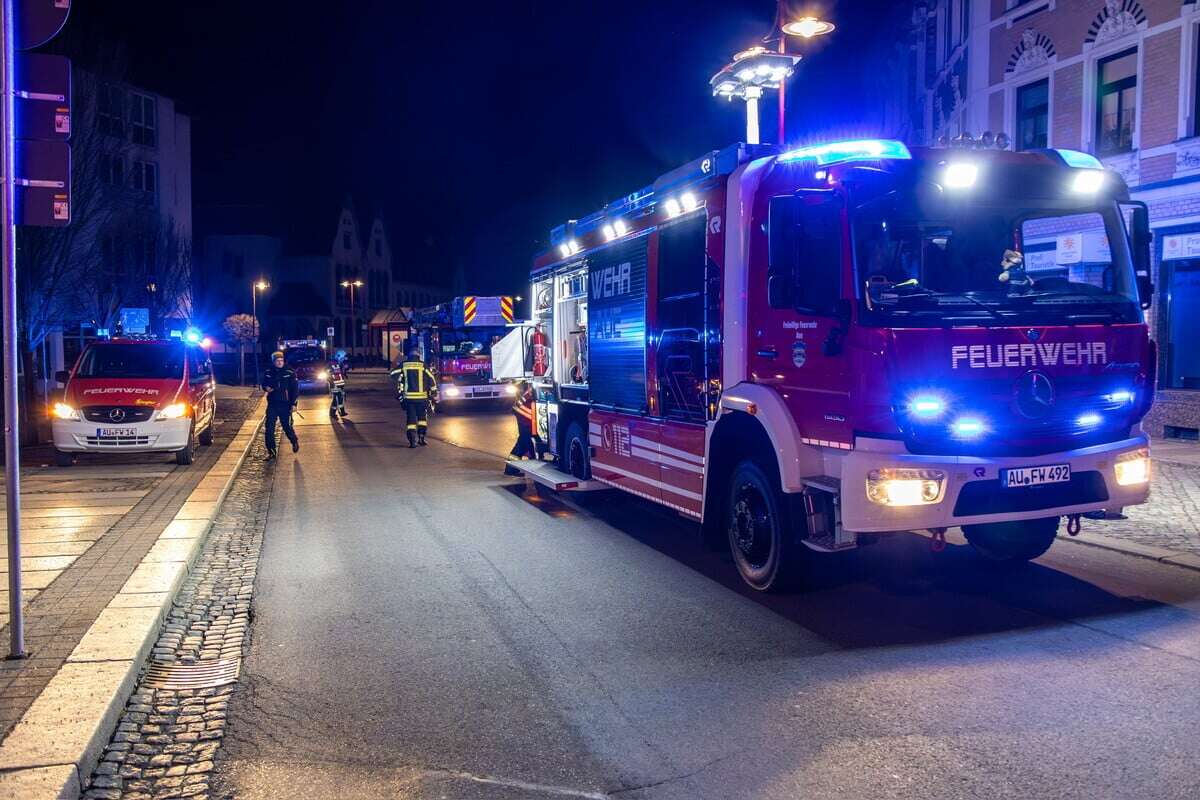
(452, 392)
(886, 489)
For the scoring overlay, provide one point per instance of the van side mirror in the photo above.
(62, 376)
(1140, 240)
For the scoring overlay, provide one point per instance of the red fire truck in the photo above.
(455, 339)
(807, 349)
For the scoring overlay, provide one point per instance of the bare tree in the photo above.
(243, 329)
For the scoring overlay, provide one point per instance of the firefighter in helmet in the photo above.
(417, 386)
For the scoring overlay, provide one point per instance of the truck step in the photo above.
(825, 483)
(547, 474)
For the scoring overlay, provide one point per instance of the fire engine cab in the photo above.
(804, 349)
(455, 339)
(135, 396)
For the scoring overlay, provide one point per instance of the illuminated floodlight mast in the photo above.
(747, 76)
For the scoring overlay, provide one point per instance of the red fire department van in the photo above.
(806, 349)
(135, 396)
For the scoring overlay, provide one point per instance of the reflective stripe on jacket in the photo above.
(416, 381)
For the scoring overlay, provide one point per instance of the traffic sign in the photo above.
(43, 184)
(329, 331)
(38, 21)
(43, 97)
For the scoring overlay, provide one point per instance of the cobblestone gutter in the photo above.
(166, 739)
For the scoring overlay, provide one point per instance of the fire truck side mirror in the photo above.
(1141, 239)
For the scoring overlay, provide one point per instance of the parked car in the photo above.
(136, 396)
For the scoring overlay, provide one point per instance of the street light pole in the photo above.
(12, 432)
(352, 285)
(255, 288)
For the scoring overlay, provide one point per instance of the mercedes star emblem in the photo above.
(117, 414)
(1034, 394)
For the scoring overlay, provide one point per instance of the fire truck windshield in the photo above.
(991, 263)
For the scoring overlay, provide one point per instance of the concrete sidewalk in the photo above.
(1167, 528)
(105, 547)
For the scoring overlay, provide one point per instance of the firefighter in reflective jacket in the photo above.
(417, 387)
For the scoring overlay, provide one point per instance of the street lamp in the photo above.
(747, 76)
(805, 28)
(256, 287)
(352, 285)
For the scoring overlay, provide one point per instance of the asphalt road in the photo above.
(426, 628)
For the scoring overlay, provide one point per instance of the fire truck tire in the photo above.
(206, 435)
(184, 457)
(1013, 541)
(758, 524)
(577, 452)
(62, 459)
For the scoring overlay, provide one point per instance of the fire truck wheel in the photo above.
(62, 459)
(184, 457)
(758, 526)
(1013, 541)
(206, 436)
(575, 447)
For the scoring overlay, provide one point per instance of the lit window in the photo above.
(1116, 108)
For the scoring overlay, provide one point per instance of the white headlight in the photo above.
(452, 391)
(1133, 468)
(322, 375)
(960, 176)
(510, 390)
(905, 487)
(64, 411)
(1088, 181)
(173, 411)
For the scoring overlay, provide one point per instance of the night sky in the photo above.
(474, 127)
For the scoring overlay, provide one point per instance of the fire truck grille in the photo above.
(988, 497)
(118, 441)
(117, 415)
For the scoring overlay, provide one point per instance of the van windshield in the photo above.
(132, 361)
(989, 263)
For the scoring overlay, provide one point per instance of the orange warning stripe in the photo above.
(506, 308)
(469, 309)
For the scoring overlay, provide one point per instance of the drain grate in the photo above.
(203, 675)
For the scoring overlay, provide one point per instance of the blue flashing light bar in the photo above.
(968, 427)
(1074, 158)
(855, 150)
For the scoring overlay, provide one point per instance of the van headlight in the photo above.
(64, 411)
(510, 390)
(322, 375)
(905, 487)
(451, 391)
(173, 411)
(1133, 468)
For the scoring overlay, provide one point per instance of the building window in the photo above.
(112, 169)
(1116, 107)
(379, 248)
(964, 19)
(1033, 113)
(345, 240)
(1182, 306)
(143, 119)
(110, 110)
(145, 177)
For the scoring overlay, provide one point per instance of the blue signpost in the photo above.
(35, 162)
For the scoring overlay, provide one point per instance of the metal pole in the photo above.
(752, 95)
(782, 83)
(12, 432)
(257, 333)
(353, 324)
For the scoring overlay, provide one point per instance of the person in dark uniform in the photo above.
(417, 387)
(283, 391)
(523, 410)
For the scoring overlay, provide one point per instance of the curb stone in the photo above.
(56, 745)
(1159, 554)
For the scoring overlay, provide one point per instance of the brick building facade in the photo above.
(1117, 78)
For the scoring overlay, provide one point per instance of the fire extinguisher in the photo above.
(541, 353)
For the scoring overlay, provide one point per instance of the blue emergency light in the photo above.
(854, 150)
(1074, 158)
